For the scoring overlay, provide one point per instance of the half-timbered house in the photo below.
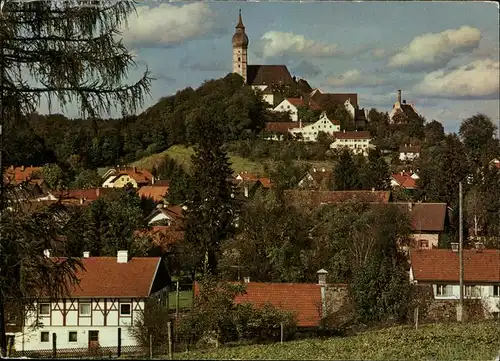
(110, 295)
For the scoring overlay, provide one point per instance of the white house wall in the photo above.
(485, 294)
(311, 131)
(286, 106)
(64, 317)
(160, 217)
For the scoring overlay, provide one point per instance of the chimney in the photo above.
(323, 169)
(314, 170)
(46, 253)
(399, 96)
(86, 254)
(404, 101)
(22, 167)
(82, 200)
(153, 180)
(246, 279)
(322, 277)
(373, 190)
(246, 191)
(454, 246)
(122, 257)
(135, 169)
(410, 206)
(97, 192)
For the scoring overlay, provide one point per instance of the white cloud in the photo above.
(355, 78)
(168, 24)
(434, 50)
(478, 79)
(277, 43)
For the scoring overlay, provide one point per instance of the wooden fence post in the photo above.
(54, 345)
(119, 350)
(169, 328)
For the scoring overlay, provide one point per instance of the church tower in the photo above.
(240, 46)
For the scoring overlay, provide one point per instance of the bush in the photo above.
(216, 318)
(152, 322)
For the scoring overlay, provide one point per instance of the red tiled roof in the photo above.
(316, 198)
(281, 127)
(105, 277)
(20, 174)
(442, 265)
(155, 192)
(247, 176)
(404, 181)
(304, 299)
(313, 105)
(90, 194)
(298, 102)
(266, 182)
(352, 135)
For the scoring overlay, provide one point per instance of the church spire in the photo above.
(240, 22)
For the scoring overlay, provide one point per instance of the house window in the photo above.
(472, 291)
(496, 291)
(125, 309)
(424, 244)
(84, 309)
(73, 336)
(239, 59)
(44, 309)
(443, 290)
(44, 336)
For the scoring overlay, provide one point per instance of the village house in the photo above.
(248, 183)
(164, 215)
(427, 220)
(316, 198)
(156, 191)
(404, 180)
(310, 132)
(309, 302)
(357, 142)
(316, 179)
(81, 196)
(401, 111)
(120, 177)
(108, 299)
(409, 152)
(290, 105)
(438, 270)
(349, 101)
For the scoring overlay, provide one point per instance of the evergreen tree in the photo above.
(376, 173)
(345, 173)
(210, 206)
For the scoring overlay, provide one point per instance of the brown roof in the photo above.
(352, 135)
(155, 192)
(298, 102)
(20, 174)
(280, 127)
(409, 149)
(428, 217)
(318, 176)
(266, 182)
(303, 299)
(316, 198)
(325, 100)
(247, 176)
(408, 110)
(105, 277)
(443, 265)
(90, 194)
(268, 75)
(404, 180)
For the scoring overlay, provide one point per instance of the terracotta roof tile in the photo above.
(443, 265)
(90, 194)
(314, 198)
(425, 216)
(20, 174)
(298, 102)
(105, 277)
(155, 192)
(301, 298)
(404, 180)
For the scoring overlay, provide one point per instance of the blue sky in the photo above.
(443, 55)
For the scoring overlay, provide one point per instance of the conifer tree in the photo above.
(345, 173)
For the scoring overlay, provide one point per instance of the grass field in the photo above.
(185, 299)
(474, 341)
(182, 155)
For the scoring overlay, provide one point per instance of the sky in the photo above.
(444, 56)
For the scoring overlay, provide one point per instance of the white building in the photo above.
(110, 296)
(357, 142)
(440, 268)
(310, 132)
(290, 105)
(408, 152)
